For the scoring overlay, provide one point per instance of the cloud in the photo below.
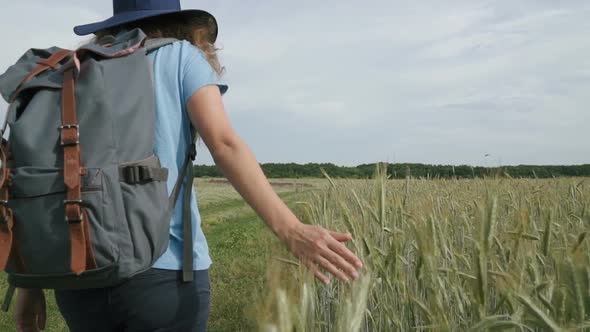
(428, 81)
(47, 24)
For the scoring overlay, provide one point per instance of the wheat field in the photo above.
(440, 255)
(444, 255)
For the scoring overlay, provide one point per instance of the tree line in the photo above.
(400, 171)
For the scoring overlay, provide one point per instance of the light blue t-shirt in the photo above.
(180, 69)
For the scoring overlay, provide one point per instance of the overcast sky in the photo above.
(353, 82)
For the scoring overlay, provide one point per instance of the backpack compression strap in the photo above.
(82, 255)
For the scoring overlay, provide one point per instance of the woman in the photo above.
(187, 92)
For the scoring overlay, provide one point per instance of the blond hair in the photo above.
(199, 30)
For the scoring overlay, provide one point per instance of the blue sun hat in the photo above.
(127, 11)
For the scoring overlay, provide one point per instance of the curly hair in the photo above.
(196, 29)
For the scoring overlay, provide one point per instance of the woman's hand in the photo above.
(30, 310)
(318, 247)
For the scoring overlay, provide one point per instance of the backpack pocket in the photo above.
(41, 233)
(145, 201)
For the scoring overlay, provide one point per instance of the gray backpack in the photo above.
(83, 199)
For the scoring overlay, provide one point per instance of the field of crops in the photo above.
(446, 255)
(440, 255)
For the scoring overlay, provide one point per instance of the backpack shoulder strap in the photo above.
(186, 171)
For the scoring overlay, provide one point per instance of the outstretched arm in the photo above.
(313, 245)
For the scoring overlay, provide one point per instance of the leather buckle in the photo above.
(5, 213)
(80, 217)
(70, 143)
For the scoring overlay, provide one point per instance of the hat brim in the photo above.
(124, 18)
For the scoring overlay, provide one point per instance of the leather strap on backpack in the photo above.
(7, 243)
(43, 65)
(82, 255)
(7, 223)
(9, 247)
(6, 216)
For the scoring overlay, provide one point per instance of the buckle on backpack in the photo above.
(137, 174)
(193, 151)
(5, 220)
(70, 143)
(7, 216)
(80, 217)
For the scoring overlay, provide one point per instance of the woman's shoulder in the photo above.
(187, 49)
(188, 54)
(183, 55)
(181, 48)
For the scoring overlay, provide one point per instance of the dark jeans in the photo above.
(155, 300)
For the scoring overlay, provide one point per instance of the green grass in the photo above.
(240, 246)
(440, 255)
